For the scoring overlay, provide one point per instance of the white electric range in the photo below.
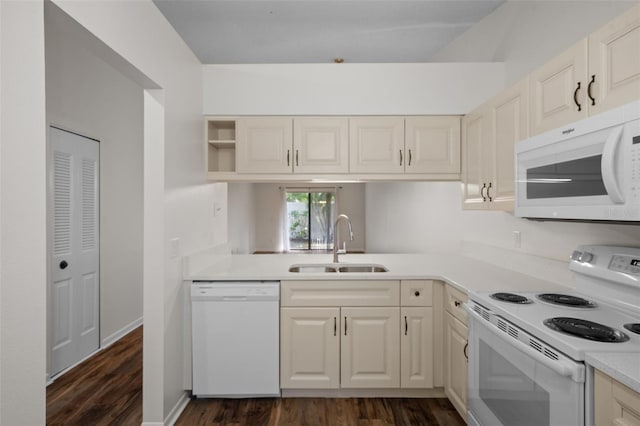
(526, 349)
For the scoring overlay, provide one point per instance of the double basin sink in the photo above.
(337, 268)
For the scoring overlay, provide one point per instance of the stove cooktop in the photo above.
(587, 314)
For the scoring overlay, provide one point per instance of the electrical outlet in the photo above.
(517, 239)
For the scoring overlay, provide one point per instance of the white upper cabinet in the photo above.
(489, 135)
(559, 90)
(376, 145)
(596, 74)
(264, 145)
(432, 144)
(321, 145)
(614, 62)
(475, 143)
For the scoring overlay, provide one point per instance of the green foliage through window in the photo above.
(310, 216)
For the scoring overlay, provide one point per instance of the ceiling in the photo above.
(318, 31)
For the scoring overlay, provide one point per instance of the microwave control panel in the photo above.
(635, 162)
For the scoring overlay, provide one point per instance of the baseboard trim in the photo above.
(110, 340)
(177, 409)
(364, 393)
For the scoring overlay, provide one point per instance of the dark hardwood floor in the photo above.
(321, 411)
(107, 390)
(104, 390)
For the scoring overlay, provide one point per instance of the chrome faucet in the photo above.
(336, 252)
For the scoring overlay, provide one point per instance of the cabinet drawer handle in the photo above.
(335, 326)
(575, 97)
(593, 80)
(484, 186)
(406, 325)
(489, 195)
(409, 157)
(401, 157)
(466, 347)
(288, 159)
(297, 158)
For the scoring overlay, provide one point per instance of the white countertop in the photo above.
(465, 273)
(462, 272)
(624, 367)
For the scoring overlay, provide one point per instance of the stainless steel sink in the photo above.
(333, 268)
(362, 268)
(317, 268)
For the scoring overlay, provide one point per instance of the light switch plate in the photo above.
(174, 248)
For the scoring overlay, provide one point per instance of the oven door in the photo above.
(510, 383)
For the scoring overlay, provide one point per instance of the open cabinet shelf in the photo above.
(221, 144)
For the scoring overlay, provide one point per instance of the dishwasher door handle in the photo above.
(234, 298)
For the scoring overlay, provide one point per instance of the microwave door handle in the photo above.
(609, 163)
(562, 367)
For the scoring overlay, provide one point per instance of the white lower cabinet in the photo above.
(309, 348)
(615, 403)
(370, 350)
(383, 340)
(455, 375)
(416, 347)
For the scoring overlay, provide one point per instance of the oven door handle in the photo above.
(608, 165)
(562, 367)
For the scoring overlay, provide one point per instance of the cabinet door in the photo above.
(432, 145)
(475, 135)
(376, 145)
(614, 62)
(263, 145)
(559, 90)
(455, 363)
(370, 351)
(416, 347)
(309, 348)
(510, 124)
(321, 145)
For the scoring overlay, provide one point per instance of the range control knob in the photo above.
(576, 255)
(586, 257)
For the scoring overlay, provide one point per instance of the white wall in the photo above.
(242, 221)
(136, 39)
(431, 218)
(88, 96)
(525, 34)
(262, 230)
(22, 214)
(349, 89)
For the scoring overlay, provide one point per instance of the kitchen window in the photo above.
(309, 218)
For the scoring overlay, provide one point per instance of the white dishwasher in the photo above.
(235, 339)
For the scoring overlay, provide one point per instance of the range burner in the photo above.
(566, 300)
(634, 328)
(510, 298)
(586, 329)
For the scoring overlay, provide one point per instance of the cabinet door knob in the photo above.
(416, 294)
(63, 264)
(575, 97)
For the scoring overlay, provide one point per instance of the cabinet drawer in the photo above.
(454, 299)
(340, 293)
(416, 293)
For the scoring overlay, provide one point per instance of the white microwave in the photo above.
(589, 170)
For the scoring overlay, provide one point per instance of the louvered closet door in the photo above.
(74, 250)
